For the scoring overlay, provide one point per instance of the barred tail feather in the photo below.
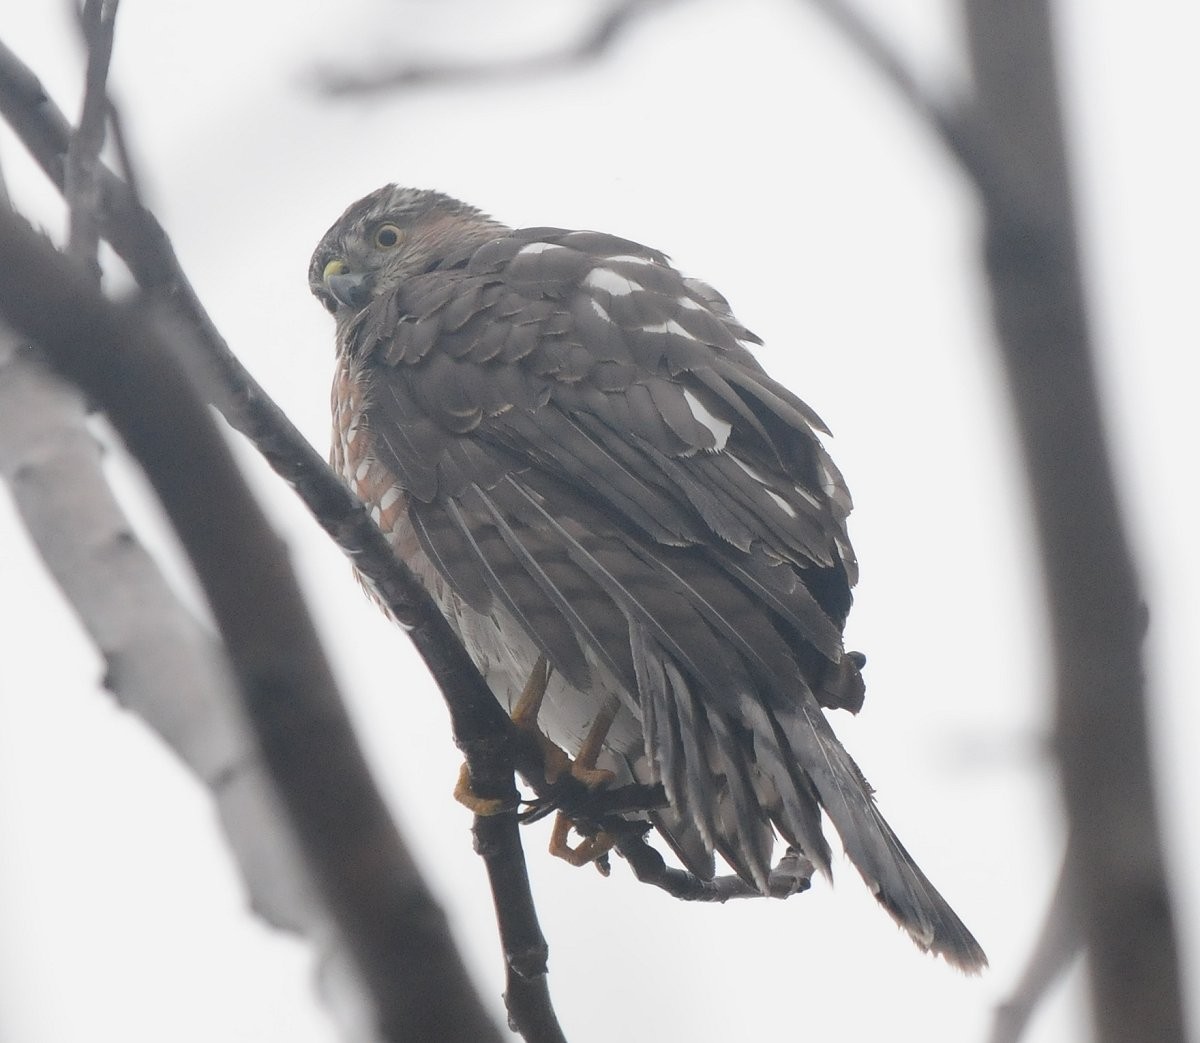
(730, 780)
(886, 867)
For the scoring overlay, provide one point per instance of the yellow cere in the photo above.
(334, 267)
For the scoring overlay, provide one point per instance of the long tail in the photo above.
(732, 772)
(886, 867)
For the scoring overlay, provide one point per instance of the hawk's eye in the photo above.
(387, 236)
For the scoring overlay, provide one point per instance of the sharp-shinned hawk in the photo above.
(574, 448)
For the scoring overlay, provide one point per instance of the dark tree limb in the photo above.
(1097, 614)
(590, 46)
(394, 929)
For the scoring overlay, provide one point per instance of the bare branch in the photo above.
(128, 168)
(1058, 944)
(97, 20)
(1096, 611)
(394, 929)
(526, 992)
(792, 876)
(591, 45)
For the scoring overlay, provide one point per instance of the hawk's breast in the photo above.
(499, 647)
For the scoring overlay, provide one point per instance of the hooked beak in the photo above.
(349, 288)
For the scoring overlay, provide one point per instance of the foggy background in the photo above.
(751, 145)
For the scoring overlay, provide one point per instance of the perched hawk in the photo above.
(575, 449)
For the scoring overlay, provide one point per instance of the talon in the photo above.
(467, 797)
(589, 849)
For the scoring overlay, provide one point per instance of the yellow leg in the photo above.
(584, 767)
(529, 705)
(525, 717)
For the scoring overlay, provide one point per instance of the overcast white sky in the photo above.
(748, 143)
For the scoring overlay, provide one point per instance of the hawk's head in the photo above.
(388, 236)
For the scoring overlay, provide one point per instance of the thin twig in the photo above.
(950, 124)
(394, 929)
(128, 168)
(97, 20)
(590, 46)
(1059, 942)
(791, 876)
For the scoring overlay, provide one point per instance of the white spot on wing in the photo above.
(804, 494)
(670, 326)
(756, 475)
(610, 282)
(530, 249)
(694, 305)
(630, 259)
(720, 428)
(762, 480)
(828, 485)
(389, 498)
(598, 308)
(784, 506)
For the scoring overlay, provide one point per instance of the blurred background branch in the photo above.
(588, 46)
